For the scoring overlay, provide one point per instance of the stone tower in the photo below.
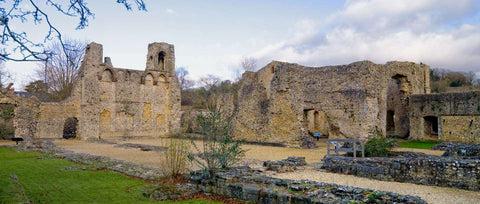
(160, 57)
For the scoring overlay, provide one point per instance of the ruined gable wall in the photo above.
(111, 102)
(457, 114)
(122, 102)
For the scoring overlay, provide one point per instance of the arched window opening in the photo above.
(161, 61)
(149, 79)
(162, 78)
(70, 128)
(107, 76)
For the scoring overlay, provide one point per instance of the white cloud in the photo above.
(170, 11)
(429, 31)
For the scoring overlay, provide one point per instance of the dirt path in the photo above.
(149, 158)
(432, 194)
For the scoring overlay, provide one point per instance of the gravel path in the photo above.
(432, 194)
(255, 154)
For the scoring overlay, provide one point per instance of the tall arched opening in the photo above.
(398, 93)
(161, 61)
(70, 128)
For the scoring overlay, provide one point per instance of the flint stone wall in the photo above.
(247, 185)
(454, 172)
(457, 115)
(462, 150)
(285, 165)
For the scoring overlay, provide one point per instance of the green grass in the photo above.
(61, 181)
(418, 144)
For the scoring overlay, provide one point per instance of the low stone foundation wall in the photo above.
(286, 165)
(462, 150)
(455, 172)
(245, 184)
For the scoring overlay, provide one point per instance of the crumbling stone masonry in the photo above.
(246, 184)
(111, 102)
(283, 102)
(451, 117)
(445, 171)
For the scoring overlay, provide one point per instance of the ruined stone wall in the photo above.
(25, 113)
(284, 103)
(453, 172)
(404, 79)
(122, 102)
(111, 102)
(51, 119)
(457, 117)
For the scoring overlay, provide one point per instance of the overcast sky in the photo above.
(210, 37)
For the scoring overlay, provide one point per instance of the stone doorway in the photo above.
(70, 128)
(398, 93)
(430, 125)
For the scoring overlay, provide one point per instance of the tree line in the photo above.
(441, 79)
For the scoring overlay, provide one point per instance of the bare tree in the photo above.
(15, 40)
(209, 81)
(183, 80)
(5, 76)
(61, 70)
(248, 64)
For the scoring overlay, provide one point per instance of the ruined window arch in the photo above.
(161, 60)
(107, 75)
(70, 128)
(149, 80)
(162, 78)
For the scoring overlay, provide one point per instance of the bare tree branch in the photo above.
(183, 80)
(16, 43)
(60, 71)
(249, 64)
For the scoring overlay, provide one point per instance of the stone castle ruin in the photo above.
(281, 103)
(284, 102)
(108, 101)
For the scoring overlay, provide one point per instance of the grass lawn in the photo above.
(418, 144)
(61, 181)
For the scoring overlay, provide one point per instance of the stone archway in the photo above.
(397, 116)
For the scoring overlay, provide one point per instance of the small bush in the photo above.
(378, 145)
(6, 132)
(7, 111)
(175, 160)
(219, 150)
